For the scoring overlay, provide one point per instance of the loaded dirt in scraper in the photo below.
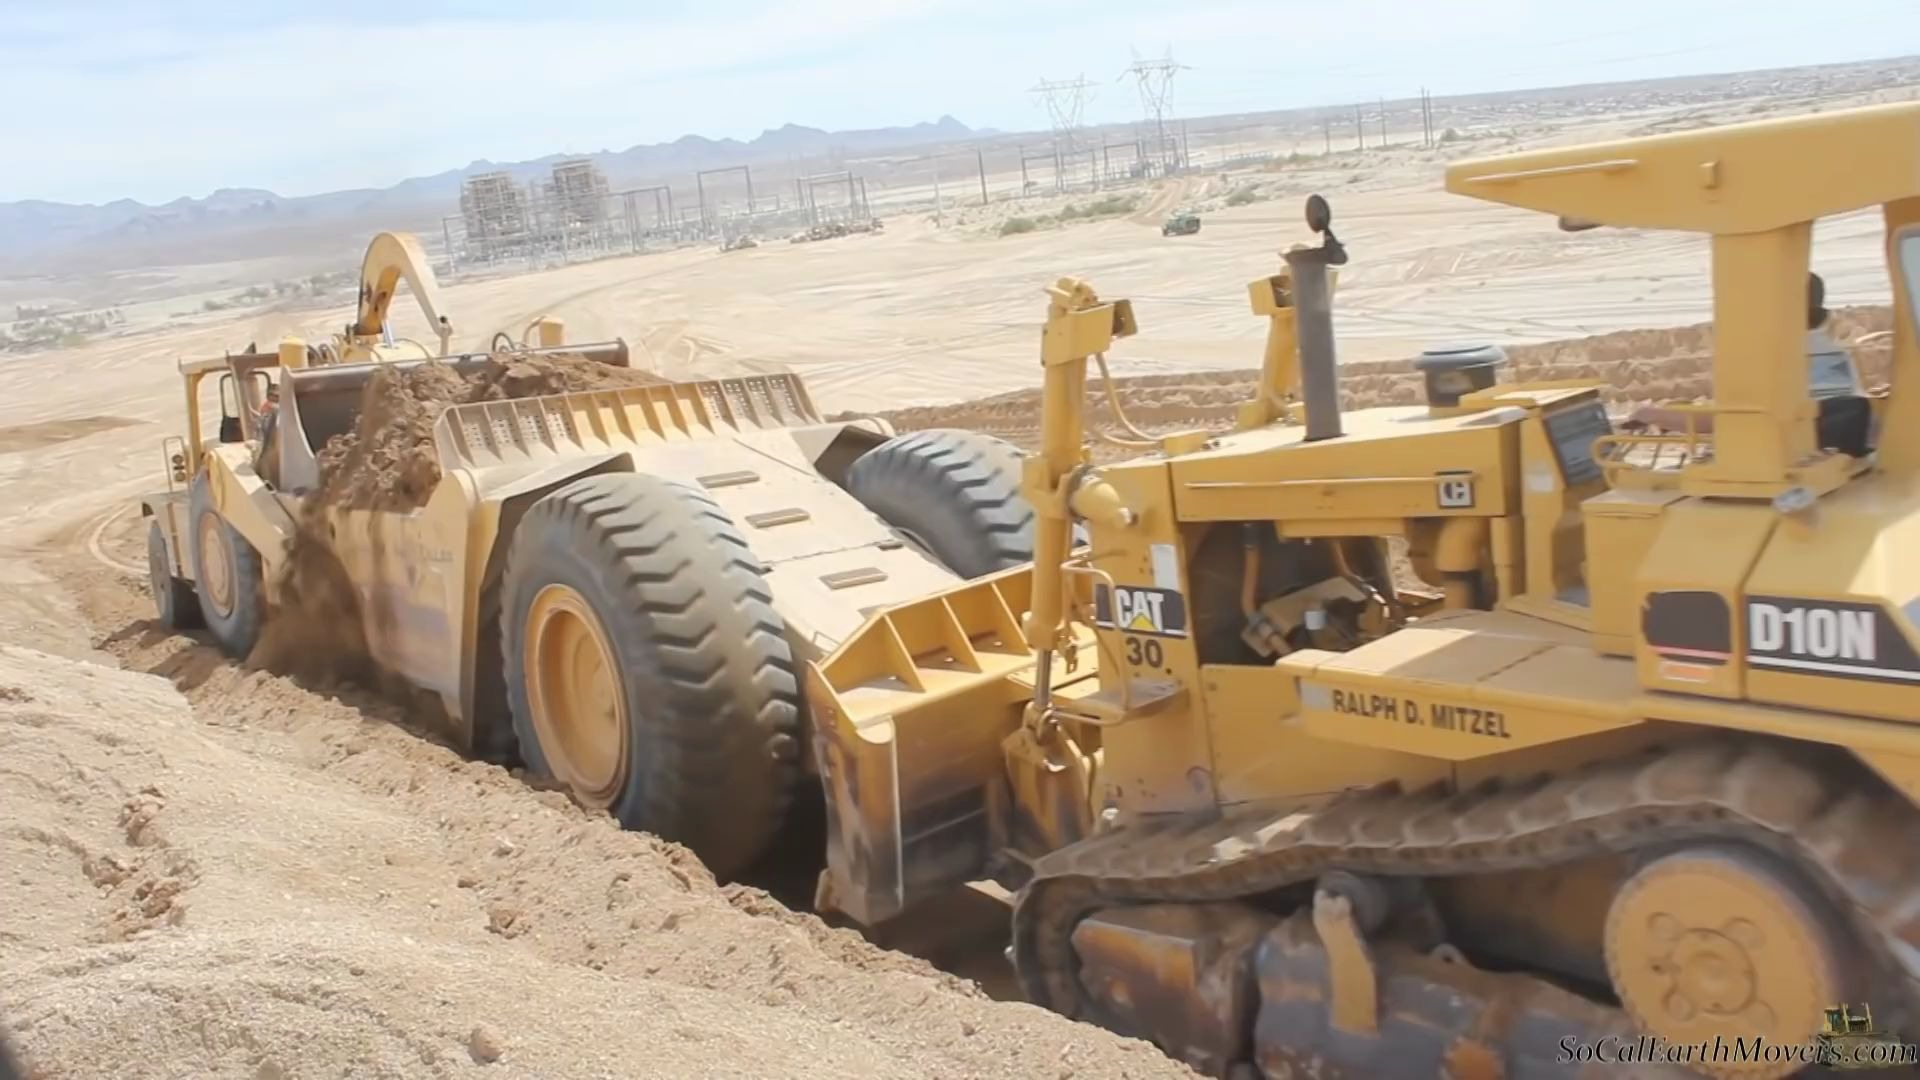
(387, 462)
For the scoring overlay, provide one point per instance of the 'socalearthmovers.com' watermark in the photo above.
(1845, 1052)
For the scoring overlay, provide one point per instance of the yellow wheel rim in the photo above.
(1716, 942)
(573, 690)
(216, 569)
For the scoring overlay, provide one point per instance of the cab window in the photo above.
(1909, 256)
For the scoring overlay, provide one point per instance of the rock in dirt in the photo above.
(486, 1045)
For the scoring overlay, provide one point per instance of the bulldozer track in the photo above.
(1842, 828)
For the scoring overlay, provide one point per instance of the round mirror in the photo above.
(1319, 214)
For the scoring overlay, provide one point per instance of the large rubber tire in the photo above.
(174, 601)
(234, 621)
(702, 694)
(955, 493)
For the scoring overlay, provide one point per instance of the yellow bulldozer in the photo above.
(616, 587)
(1474, 738)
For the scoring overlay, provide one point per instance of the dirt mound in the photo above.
(387, 461)
(1636, 366)
(260, 881)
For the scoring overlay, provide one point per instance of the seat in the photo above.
(1845, 424)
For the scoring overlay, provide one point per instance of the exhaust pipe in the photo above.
(1313, 314)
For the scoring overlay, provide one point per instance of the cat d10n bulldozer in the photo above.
(1627, 747)
(613, 586)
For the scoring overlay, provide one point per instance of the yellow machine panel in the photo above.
(1688, 587)
(1462, 686)
(1834, 600)
(1392, 464)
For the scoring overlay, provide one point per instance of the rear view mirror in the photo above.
(1319, 214)
(230, 430)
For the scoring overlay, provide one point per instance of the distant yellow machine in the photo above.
(392, 259)
(614, 587)
(1626, 745)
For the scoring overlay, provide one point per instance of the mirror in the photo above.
(1319, 214)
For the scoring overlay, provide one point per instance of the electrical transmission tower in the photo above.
(1066, 102)
(1155, 78)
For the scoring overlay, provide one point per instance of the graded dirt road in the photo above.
(218, 872)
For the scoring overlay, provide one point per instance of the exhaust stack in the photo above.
(1313, 306)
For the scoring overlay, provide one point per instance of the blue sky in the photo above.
(153, 100)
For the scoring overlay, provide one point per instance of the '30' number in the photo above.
(1145, 651)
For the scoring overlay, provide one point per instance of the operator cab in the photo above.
(1788, 501)
(1844, 420)
(247, 392)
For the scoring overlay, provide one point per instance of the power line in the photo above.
(1066, 102)
(1155, 78)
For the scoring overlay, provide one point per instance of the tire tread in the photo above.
(698, 642)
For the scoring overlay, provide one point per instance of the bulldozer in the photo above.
(1472, 738)
(614, 587)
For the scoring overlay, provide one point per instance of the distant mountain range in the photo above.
(35, 226)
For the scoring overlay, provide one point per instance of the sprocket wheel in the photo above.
(1718, 941)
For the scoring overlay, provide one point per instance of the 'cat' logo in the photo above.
(1140, 610)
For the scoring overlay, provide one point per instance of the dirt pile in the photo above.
(259, 881)
(387, 461)
(1637, 366)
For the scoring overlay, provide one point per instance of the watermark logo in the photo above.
(1847, 1040)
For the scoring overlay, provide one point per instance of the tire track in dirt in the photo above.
(1166, 196)
(99, 552)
